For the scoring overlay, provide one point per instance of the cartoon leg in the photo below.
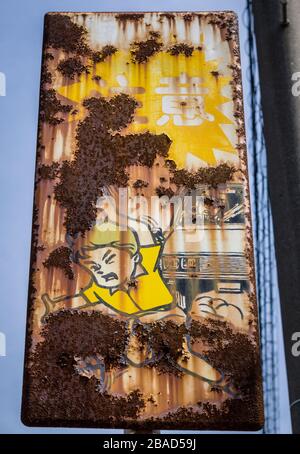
(193, 363)
(135, 355)
(94, 366)
(57, 303)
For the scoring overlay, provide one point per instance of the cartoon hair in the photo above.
(109, 234)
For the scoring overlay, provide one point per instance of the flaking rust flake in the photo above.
(147, 323)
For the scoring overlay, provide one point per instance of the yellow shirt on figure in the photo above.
(149, 292)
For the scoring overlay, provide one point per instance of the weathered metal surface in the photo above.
(152, 325)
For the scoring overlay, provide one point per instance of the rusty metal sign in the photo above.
(142, 309)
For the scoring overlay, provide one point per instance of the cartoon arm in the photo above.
(148, 230)
(155, 229)
(80, 300)
(143, 229)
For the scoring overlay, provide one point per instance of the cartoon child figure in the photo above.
(125, 277)
(124, 274)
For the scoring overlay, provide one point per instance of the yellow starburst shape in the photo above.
(179, 96)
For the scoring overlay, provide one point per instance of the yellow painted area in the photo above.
(177, 95)
(150, 293)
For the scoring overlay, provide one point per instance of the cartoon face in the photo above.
(111, 267)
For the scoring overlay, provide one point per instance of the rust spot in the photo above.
(65, 360)
(141, 51)
(140, 184)
(208, 201)
(188, 17)
(211, 176)
(129, 17)
(71, 67)
(181, 48)
(62, 33)
(230, 414)
(48, 56)
(165, 340)
(49, 172)
(96, 78)
(60, 258)
(216, 389)
(162, 191)
(50, 106)
(167, 15)
(32, 290)
(170, 164)
(215, 74)
(106, 51)
(226, 22)
(133, 283)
